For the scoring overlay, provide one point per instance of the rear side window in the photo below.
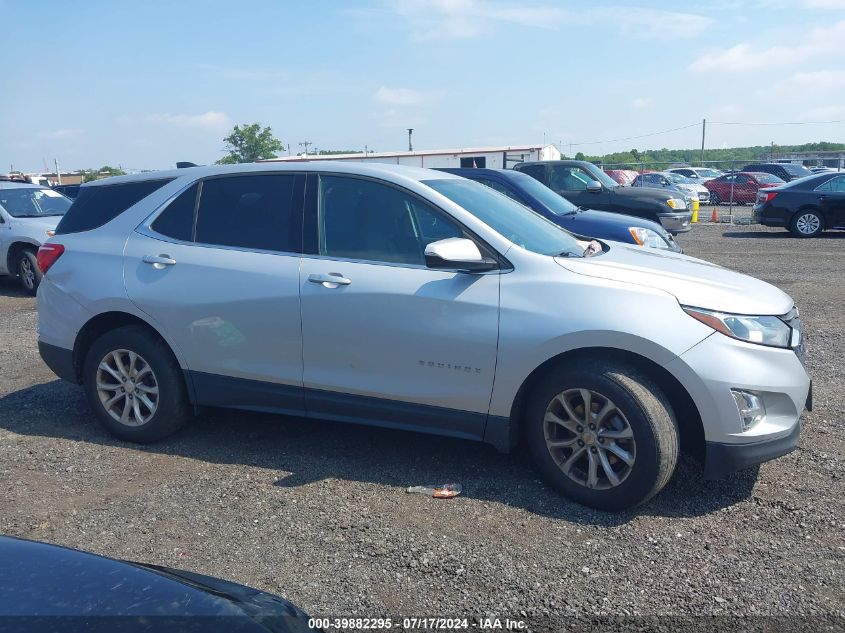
(254, 212)
(100, 204)
(177, 220)
(537, 172)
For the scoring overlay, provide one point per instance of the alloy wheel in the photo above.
(127, 387)
(808, 224)
(589, 438)
(27, 273)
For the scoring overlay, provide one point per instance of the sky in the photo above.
(144, 84)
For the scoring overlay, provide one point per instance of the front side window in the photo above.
(362, 219)
(33, 202)
(569, 178)
(252, 212)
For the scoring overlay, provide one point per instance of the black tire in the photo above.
(29, 274)
(802, 223)
(172, 406)
(649, 417)
(714, 198)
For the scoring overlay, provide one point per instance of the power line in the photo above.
(631, 138)
(782, 123)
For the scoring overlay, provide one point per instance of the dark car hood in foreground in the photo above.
(42, 584)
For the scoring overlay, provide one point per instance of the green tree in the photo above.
(580, 156)
(248, 143)
(103, 172)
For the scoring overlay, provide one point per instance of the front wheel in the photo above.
(135, 386)
(28, 272)
(807, 223)
(602, 434)
(714, 198)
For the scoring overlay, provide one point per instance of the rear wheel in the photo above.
(602, 435)
(28, 272)
(135, 386)
(806, 223)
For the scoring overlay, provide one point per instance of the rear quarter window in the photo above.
(100, 204)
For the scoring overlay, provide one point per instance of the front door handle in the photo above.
(158, 261)
(332, 280)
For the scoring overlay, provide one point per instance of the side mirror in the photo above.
(594, 186)
(457, 253)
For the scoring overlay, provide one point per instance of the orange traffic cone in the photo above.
(715, 216)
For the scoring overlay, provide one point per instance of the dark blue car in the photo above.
(583, 222)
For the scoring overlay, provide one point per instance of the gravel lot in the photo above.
(317, 512)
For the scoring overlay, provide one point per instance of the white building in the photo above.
(489, 157)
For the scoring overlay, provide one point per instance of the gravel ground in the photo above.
(316, 511)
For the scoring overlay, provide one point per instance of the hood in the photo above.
(696, 188)
(693, 282)
(645, 193)
(618, 220)
(47, 222)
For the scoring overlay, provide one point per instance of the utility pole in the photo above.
(410, 144)
(703, 130)
(305, 144)
(58, 171)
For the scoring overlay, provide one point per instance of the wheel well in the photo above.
(98, 326)
(690, 426)
(14, 249)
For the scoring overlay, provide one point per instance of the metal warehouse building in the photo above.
(489, 157)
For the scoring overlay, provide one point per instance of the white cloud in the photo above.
(825, 113)
(61, 134)
(208, 120)
(400, 96)
(745, 56)
(820, 79)
(641, 102)
(466, 19)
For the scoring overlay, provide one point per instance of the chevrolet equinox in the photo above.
(417, 300)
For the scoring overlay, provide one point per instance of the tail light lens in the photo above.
(47, 256)
(766, 196)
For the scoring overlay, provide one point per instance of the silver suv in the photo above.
(28, 215)
(418, 300)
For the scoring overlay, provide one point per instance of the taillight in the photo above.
(47, 256)
(766, 196)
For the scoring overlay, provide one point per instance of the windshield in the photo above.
(709, 173)
(678, 179)
(33, 202)
(510, 219)
(796, 170)
(548, 198)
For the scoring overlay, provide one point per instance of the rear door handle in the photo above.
(159, 261)
(332, 280)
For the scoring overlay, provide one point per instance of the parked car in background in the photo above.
(622, 176)
(71, 191)
(585, 185)
(28, 215)
(822, 170)
(740, 187)
(583, 222)
(784, 171)
(698, 174)
(45, 587)
(807, 206)
(667, 180)
(418, 300)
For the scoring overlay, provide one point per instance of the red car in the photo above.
(743, 185)
(622, 176)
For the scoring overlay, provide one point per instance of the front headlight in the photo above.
(676, 203)
(763, 330)
(647, 237)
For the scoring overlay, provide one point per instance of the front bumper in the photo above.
(777, 376)
(678, 222)
(721, 460)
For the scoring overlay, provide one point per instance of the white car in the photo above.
(414, 299)
(28, 215)
(698, 174)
